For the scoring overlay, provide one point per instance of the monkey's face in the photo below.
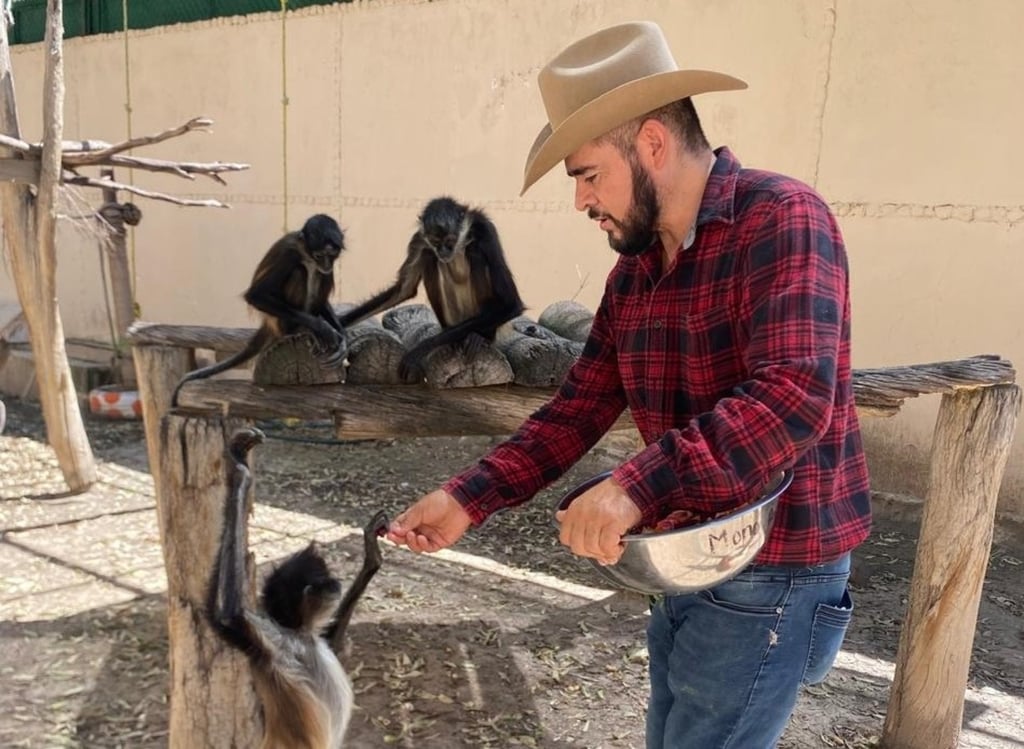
(302, 593)
(443, 227)
(444, 243)
(324, 241)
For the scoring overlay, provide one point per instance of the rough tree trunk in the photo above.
(446, 366)
(212, 703)
(567, 318)
(539, 357)
(30, 229)
(972, 440)
(120, 278)
(373, 354)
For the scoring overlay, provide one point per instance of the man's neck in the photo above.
(680, 203)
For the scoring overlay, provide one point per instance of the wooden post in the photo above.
(213, 703)
(972, 440)
(30, 229)
(157, 370)
(120, 277)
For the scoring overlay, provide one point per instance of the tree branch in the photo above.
(91, 158)
(110, 184)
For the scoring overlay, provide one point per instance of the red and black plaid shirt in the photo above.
(735, 365)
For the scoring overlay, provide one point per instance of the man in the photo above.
(725, 328)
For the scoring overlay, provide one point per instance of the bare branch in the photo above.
(110, 184)
(87, 157)
(18, 144)
(184, 169)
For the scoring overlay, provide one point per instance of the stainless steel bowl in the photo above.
(696, 557)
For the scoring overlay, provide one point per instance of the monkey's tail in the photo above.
(253, 347)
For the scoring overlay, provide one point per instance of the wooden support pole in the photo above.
(973, 433)
(121, 290)
(29, 226)
(212, 700)
(157, 370)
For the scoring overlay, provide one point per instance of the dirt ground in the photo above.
(505, 641)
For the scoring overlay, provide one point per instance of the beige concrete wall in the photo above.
(901, 113)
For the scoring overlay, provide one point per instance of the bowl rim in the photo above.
(772, 490)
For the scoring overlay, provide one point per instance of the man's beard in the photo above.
(638, 230)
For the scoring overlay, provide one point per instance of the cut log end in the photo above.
(293, 360)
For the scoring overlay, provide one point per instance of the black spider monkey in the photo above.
(292, 287)
(293, 644)
(458, 256)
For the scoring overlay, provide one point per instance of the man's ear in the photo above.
(652, 143)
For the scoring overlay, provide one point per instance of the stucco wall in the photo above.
(901, 113)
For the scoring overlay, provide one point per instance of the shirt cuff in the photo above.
(474, 490)
(650, 482)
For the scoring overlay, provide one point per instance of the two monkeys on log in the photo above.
(455, 252)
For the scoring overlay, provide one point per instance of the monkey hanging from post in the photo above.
(291, 288)
(294, 641)
(457, 255)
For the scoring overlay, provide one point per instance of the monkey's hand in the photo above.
(378, 526)
(332, 343)
(410, 368)
(474, 344)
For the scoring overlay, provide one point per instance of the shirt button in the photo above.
(657, 324)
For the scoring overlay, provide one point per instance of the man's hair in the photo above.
(679, 116)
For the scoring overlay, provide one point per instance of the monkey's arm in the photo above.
(228, 585)
(404, 288)
(335, 634)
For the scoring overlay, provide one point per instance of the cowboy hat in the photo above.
(604, 80)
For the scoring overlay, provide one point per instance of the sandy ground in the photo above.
(504, 641)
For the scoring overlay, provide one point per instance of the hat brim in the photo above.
(615, 107)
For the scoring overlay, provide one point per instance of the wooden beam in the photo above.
(377, 411)
(19, 170)
(972, 440)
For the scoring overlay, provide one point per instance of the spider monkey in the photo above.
(291, 287)
(457, 254)
(292, 644)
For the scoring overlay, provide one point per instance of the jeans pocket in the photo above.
(827, 632)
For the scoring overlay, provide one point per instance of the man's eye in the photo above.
(589, 179)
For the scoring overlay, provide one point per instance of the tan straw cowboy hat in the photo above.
(604, 80)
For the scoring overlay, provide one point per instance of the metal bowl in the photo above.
(696, 557)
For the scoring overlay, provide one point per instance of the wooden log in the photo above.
(378, 411)
(120, 277)
(227, 340)
(29, 227)
(446, 366)
(539, 357)
(373, 354)
(212, 700)
(294, 360)
(973, 433)
(157, 371)
(569, 319)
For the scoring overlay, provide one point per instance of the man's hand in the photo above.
(596, 521)
(434, 522)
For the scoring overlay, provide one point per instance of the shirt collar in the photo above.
(718, 201)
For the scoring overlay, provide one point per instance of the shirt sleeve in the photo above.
(792, 301)
(557, 435)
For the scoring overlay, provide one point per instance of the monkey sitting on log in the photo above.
(293, 643)
(291, 288)
(456, 253)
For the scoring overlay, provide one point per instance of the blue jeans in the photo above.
(726, 663)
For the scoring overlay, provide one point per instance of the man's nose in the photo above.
(584, 196)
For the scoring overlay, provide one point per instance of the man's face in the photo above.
(618, 192)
